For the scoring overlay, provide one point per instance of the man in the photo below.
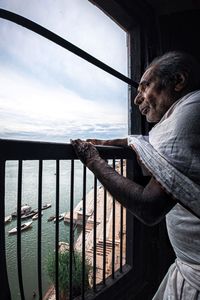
(169, 96)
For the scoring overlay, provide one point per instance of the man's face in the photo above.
(153, 101)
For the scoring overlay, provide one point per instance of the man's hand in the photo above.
(85, 151)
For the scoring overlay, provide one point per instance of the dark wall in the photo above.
(180, 31)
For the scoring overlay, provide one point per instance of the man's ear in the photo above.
(180, 81)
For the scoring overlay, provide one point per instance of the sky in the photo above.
(50, 94)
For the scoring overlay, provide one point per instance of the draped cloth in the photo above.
(171, 154)
(175, 286)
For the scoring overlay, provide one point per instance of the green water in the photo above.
(29, 237)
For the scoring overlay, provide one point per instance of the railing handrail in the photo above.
(34, 150)
(10, 16)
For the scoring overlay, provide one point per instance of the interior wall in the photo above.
(179, 31)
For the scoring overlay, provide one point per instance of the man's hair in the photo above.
(167, 66)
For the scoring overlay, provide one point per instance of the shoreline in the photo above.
(89, 233)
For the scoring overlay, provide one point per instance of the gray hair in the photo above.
(167, 66)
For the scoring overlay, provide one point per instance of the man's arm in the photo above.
(149, 204)
(114, 142)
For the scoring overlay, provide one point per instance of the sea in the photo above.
(29, 237)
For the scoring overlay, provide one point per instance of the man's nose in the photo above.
(138, 99)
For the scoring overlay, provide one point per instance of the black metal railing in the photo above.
(25, 150)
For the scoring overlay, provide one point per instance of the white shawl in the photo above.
(172, 153)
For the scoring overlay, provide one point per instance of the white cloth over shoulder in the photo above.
(172, 156)
(172, 152)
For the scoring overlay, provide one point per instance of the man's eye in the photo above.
(144, 86)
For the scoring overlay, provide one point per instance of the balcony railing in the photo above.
(104, 247)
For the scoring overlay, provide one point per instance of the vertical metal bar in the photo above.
(121, 225)
(39, 229)
(57, 230)
(83, 232)
(71, 230)
(19, 204)
(113, 234)
(4, 290)
(95, 235)
(104, 236)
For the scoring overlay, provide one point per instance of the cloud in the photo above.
(42, 59)
(31, 107)
(81, 23)
(30, 97)
(46, 90)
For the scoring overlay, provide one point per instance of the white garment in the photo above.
(175, 287)
(172, 156)
(182, 282)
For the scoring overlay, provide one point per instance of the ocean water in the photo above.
(29, 237)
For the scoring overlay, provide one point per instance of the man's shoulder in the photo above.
(190, 98)
(187, 111)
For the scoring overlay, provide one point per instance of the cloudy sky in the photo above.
(48, 93)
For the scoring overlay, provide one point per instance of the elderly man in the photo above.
(168, 95)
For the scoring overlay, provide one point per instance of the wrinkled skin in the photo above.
(95, 141)
(115, 142)
(152, 100)
(85, 151)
